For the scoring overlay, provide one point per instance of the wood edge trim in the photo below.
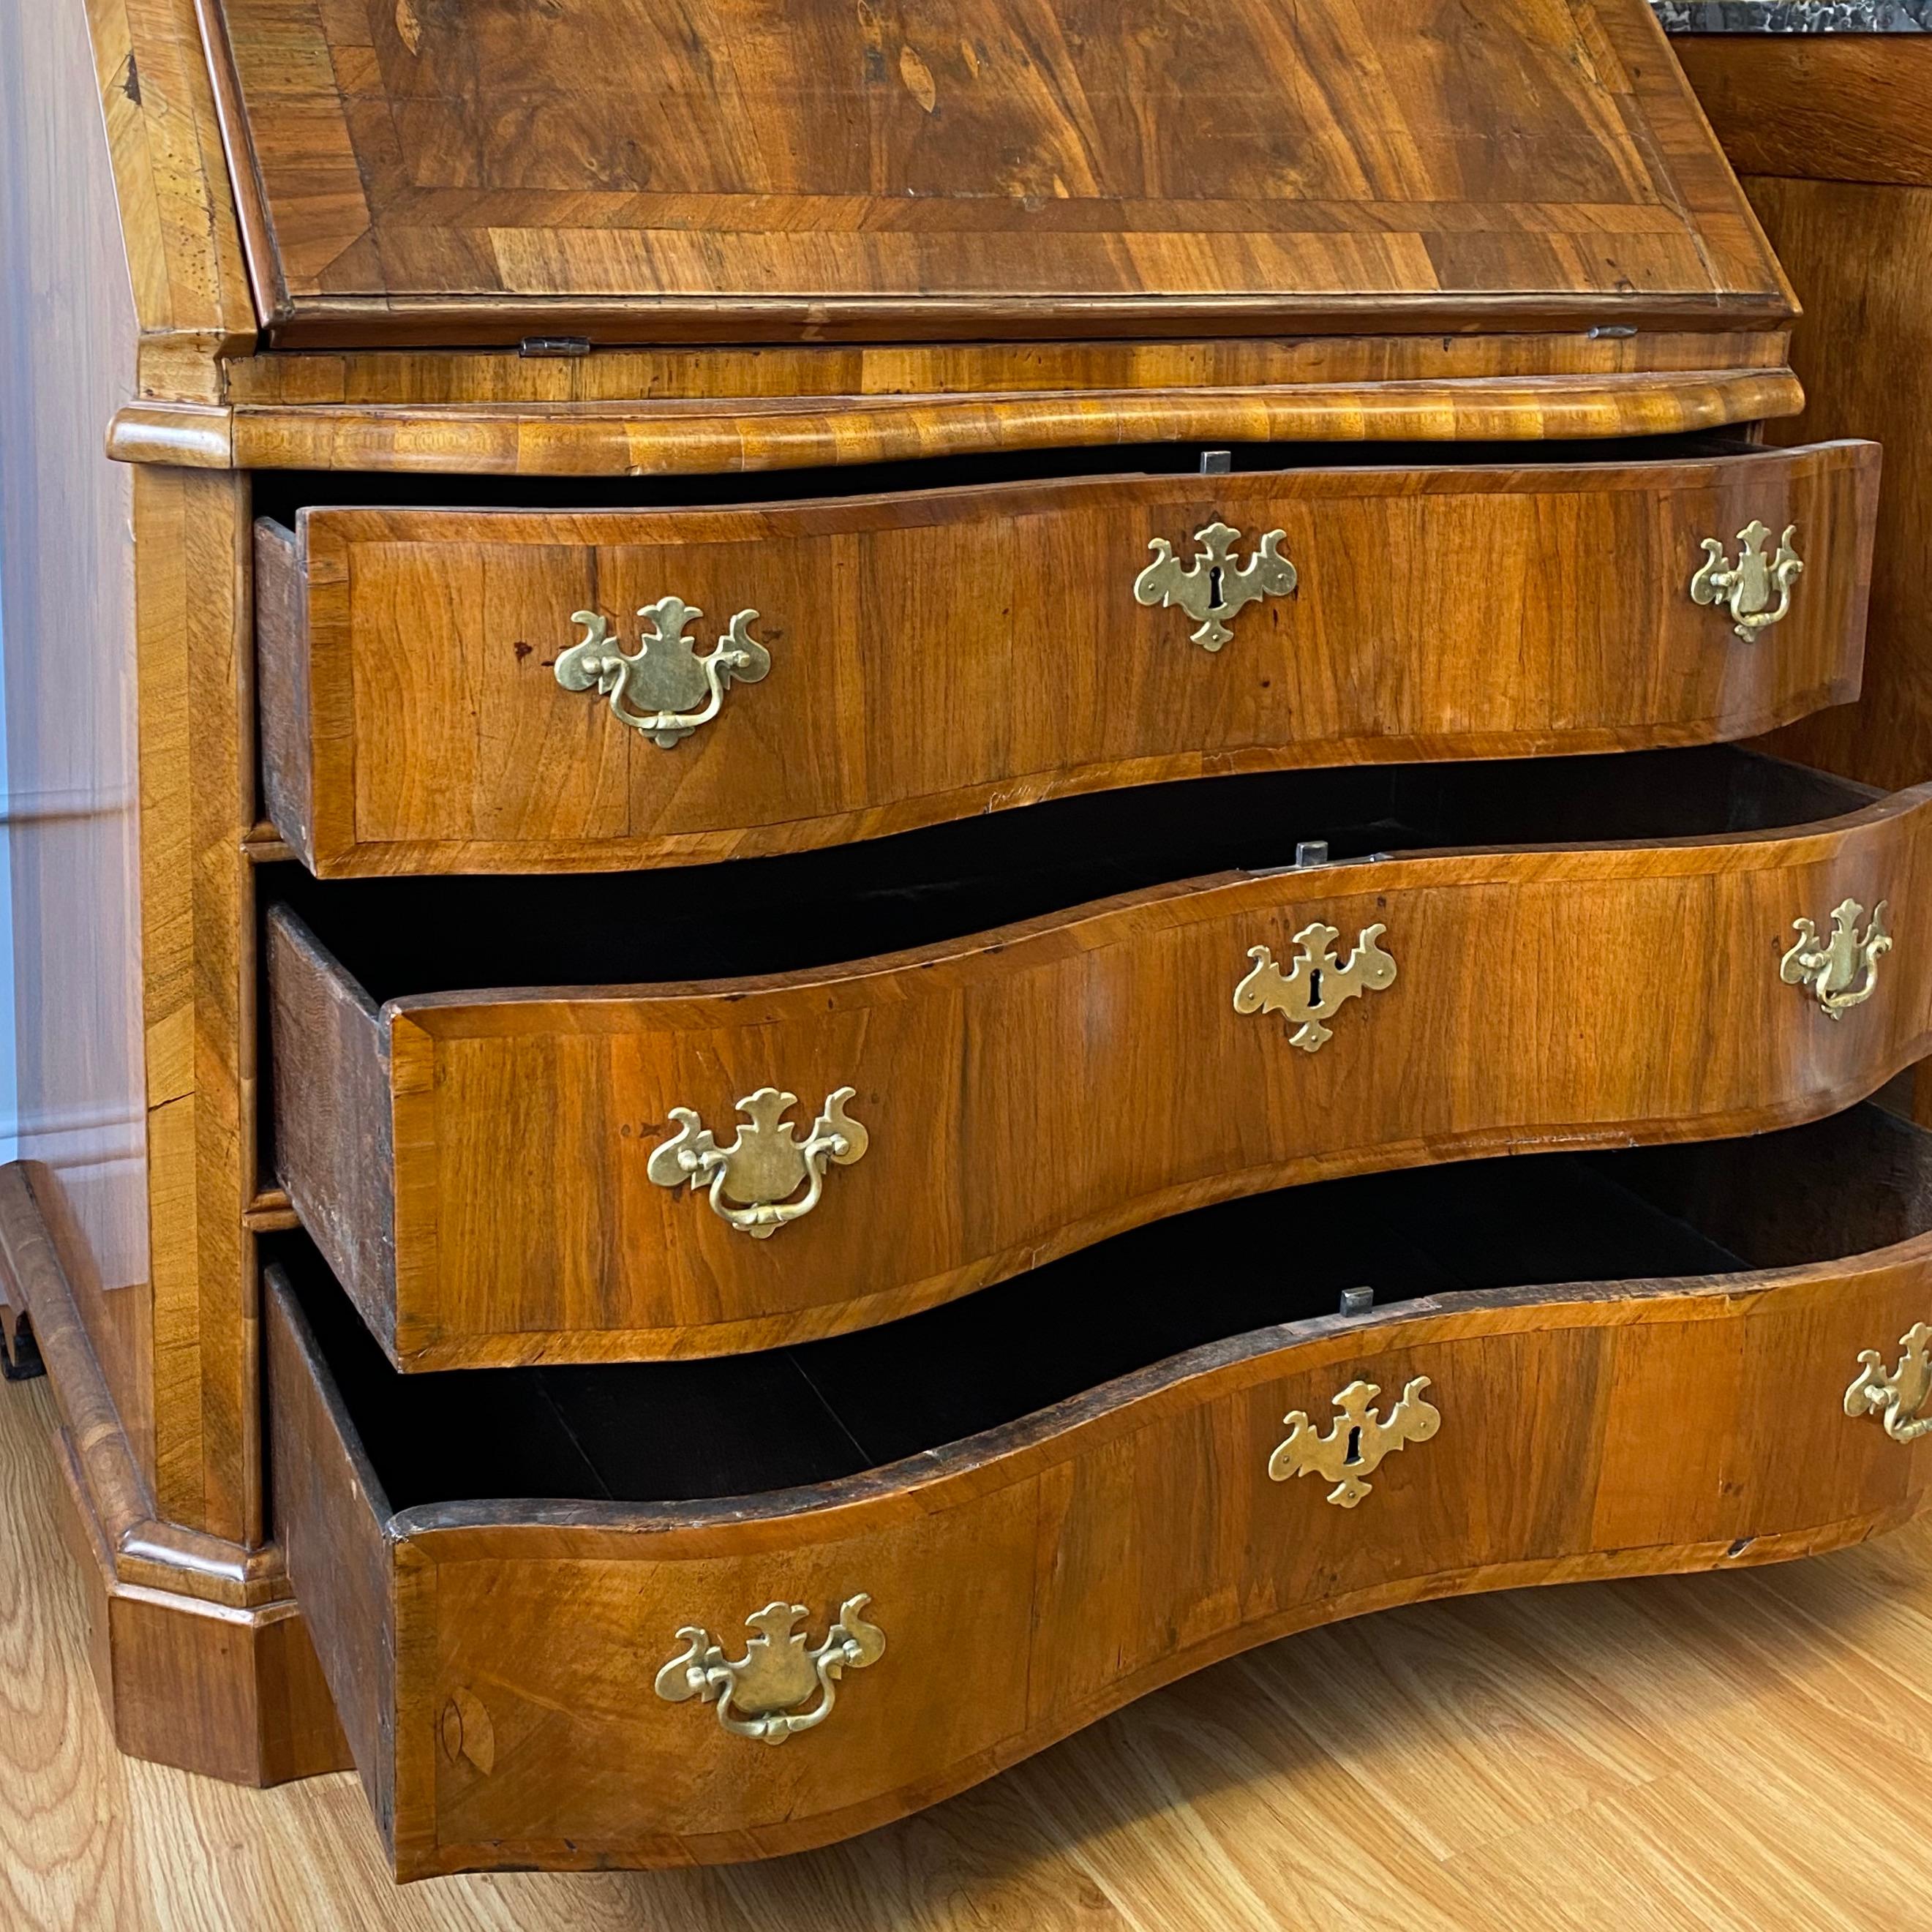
(1003, 949)
(451, 1856)
(1019, 1451)
(260, 258)
(498, 319)
(116, 1501)
(331, 531)
(181, 436)
(403, 858)
(734, 435)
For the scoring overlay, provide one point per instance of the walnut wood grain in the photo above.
(657, 439)
(184, 254)
(1008, 166)
(1611, 1430)
(197, 797)
(425, 378)
(411, 720)
(1837, 107)
(1032, 1090)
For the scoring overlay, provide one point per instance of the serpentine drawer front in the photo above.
(977, 1563)
(477, 690)
(704, 1134)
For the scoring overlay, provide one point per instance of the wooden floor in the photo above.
(1748, 1752)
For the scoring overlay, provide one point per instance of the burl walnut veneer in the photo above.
(746, 696)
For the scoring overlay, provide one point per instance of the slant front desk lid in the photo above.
(483, 171)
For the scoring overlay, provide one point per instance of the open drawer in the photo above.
(1010, 1038)
(467, 690)
(511, 1576)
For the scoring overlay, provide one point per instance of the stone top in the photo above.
(1796, 16)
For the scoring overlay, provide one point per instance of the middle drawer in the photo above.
(448, 690)
(1009, 1038)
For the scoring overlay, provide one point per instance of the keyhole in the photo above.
(1355, 1454)
(1315, 999)
(1214, 585)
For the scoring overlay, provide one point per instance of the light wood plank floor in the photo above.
(1745, 1752)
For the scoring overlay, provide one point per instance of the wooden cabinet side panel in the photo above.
(198, 959)
(1859, 254)
(334, 1146)
(283, 711)
(328, 1518)
(67, 613)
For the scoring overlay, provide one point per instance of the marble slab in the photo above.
(1796, 16)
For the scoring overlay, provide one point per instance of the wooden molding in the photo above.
(145, 1551)
(754, 433)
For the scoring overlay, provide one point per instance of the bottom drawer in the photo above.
(568, 1613)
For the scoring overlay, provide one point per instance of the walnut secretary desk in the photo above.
(880, 866)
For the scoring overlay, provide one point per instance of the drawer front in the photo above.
(917, 658)
(1027, 1581)
(498, 1177)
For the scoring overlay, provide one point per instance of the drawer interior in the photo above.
(280, 496)
(400, 937)
(1189, 1293)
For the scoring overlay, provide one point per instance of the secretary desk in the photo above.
(876, 866)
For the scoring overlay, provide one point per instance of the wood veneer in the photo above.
(939, 652)
(1038, 1065)
(983, 170)
(1036, 1566)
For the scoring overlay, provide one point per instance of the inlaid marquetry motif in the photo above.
(752, 1182)
(663, 688)
(1754, 593)
(781, 1685)
(1897, 1397)
(1317, 985)
(467, 1731)
(1842, 970)
(1212, 588)
(1358, 1444)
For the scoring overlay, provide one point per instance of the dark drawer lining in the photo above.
(663, 1432)
(281, 495)
(405, 936)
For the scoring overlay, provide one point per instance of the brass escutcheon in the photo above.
(1897, 1397)
(765, 1164)
(1356, 1446)
(768, 1693)
(1213, 588)
(1317, 985)
(1744, 590)
(1842, 970)
(663, 688)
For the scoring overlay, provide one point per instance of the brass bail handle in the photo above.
(1754, 593)
(664, 689)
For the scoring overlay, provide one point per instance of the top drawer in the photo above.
(512, 690)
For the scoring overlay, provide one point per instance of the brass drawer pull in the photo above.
(664, 689)
(1744, 590)
(1355, 1448)
(1842, 970)
(1898, 1398)
(766, 1164)
(763, 1694)
(1213, 589)
(1317, 985)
